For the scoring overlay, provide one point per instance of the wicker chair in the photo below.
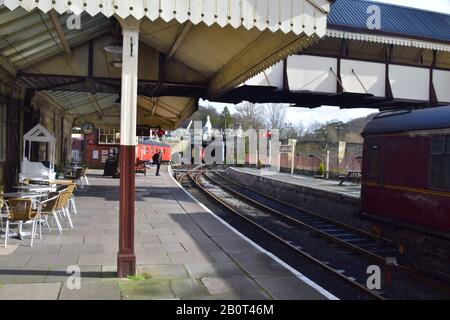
(72, 187)
(63, 203)
(80, 177)
(20, 210)
(84, 178)
(48, 208)
(2, 203)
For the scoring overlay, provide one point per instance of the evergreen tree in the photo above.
(226, 120)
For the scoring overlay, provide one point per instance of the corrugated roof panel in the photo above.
(394, 19)
(26, 38)
(80, 103)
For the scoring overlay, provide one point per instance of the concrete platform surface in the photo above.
(183, 252)
(348, 189)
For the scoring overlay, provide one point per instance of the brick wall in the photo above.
(310, 154)
(94, 154)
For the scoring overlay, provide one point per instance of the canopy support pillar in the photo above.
(126, 258)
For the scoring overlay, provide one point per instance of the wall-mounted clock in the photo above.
(87, 128)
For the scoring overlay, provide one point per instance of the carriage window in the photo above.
(447, 148)
(437, 178)
(440, 163)
(374, 161)
(447, 176)
(2, 132)
(438, 145)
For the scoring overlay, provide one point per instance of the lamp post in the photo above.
(289, 126)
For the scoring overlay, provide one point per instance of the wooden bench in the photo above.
(141, 167)
(354, 176)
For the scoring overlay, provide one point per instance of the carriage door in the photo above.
(372, 192)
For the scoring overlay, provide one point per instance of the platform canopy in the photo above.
(402, 63)
(188, 49)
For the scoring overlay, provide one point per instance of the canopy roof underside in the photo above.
(188, 50)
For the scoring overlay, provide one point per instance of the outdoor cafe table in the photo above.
(36, 188)
(72, 170)
(26, 195)
(60, 182)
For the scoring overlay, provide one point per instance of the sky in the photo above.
(325, 114)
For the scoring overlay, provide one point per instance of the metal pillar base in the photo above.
(126, 265)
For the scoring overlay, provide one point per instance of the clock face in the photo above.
(88, 128)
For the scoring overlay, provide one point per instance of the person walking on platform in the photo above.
(157, 159)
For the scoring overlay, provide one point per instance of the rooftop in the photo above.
(401, 121)
(395, 20)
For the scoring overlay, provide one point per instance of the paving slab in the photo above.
(169, 271)
(231, 285)
(30, 291)
(148, 289)
(182, 251)
(288, 288)
(92, 290)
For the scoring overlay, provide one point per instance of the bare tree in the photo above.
(300, 129)
(249, 115)
(275, 115)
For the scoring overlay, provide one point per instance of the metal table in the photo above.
(27, 195)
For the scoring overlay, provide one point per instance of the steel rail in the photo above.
(301, 223)
(416, 274)
(314, 214)
(284, 242)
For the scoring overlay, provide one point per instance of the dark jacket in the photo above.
(157, 158)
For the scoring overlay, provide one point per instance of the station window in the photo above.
(108, 136)
(440, 163)
(374, 161)
(2, 132)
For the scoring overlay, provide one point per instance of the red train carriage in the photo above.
(406, 182)
(146, 149)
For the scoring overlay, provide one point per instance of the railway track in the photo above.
(355, 240)
(290, 244)
(380, 250)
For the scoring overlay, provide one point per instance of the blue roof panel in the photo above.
(396, 20)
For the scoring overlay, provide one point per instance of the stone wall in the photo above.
(59, 124)
(52, 117)
(310, 154)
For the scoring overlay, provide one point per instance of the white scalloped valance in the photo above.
(388, 40)
(298, 16)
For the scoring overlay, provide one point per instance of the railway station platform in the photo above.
(326, 197)
(348, 189)
(183, 252)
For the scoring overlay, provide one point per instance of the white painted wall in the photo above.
(312, 73)
(270, 77)
(441, 81)
(409, 82)
(372, 76)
